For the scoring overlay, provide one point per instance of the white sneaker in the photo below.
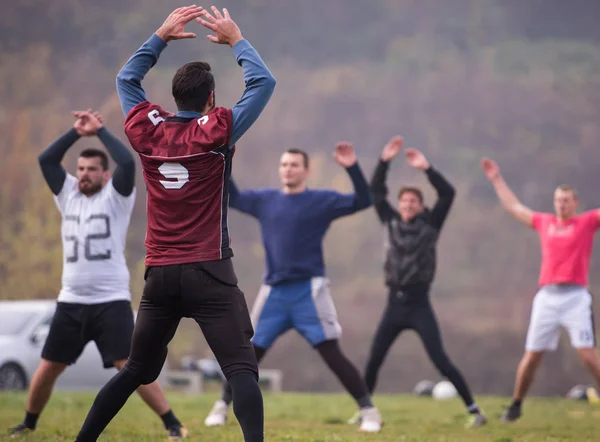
(370, 420)
(218, 414)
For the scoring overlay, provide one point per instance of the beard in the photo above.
(88, 188)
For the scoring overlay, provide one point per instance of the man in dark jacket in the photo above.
(410, 264)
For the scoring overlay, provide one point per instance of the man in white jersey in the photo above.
(94, 303)
(563, 299)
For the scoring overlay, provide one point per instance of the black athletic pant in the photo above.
(417, 315)
(337, 362)
(208, 293)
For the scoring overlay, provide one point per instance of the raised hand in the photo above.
(416, 159)
(225, 29)
(490, 169)
(98, 117)
(344, 154)
(392, 148)
(173, 27)
(87, 123)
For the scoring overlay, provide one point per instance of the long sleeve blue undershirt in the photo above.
(257, 78)
(293, 225)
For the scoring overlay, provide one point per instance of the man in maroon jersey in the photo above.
(563, 299)
(186, 159)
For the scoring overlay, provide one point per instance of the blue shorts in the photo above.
(305, 306)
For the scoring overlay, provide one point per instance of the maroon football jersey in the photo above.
(186, 164)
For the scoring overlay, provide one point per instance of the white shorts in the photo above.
(556, 306)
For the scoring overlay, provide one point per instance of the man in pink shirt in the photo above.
(563, 299)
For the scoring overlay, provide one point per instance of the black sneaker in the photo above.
(19, 430)
(177, 433)
(511, 414)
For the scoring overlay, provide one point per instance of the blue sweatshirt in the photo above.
(293, 225)
(257, 78)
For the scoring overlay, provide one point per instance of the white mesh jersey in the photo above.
(94, 230)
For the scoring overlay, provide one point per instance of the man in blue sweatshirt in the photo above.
(295, 292)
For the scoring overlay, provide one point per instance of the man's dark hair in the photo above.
(192, 84)
(299, 152)
(96, 153)
(411, 189)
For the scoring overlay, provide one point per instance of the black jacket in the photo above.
(410, 246)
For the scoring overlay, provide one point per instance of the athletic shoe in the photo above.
(177, 433)
(592, 396)
(476, 420)
(218, 414)
(19, 430)
(511, 414)
(370, 420)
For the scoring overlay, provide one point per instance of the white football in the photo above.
(444, 390)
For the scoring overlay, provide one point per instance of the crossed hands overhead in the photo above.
(87, 123)
(414, 157)
(224, 28)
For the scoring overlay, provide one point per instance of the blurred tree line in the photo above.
(517, 81)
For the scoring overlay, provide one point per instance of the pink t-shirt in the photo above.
(566, 247)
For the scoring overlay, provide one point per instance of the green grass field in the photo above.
(318, 418)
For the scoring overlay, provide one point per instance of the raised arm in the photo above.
(378, 186)
(51, 158)
(346, 204)
(362, 195)
(129, 79)
(506, 196)
(260, 85)
(259, 81)
(124, 174)
(445, 192)
(444, 189)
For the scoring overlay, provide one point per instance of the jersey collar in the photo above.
(189, 114)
